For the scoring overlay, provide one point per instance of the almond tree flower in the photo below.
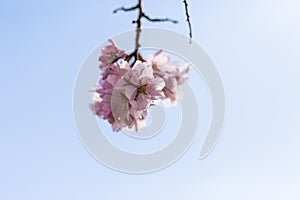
(171, 90)
(109, 54)
(116, 104)
(171, 74)
(174, 79)
(181, 75)
(116, 69)
(120, 110)
(141, 88)
(124, 114)
(159, 60)
(124, 94)
(103, 106)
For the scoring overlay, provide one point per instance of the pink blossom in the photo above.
(109, 54)
(103, 107)
(159, 60)
(125, 92)
(170, 73)
(141, 87)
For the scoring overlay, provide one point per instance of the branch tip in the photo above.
(188, 19)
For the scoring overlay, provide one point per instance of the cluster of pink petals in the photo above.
(171, 74)
(109, 54)
(126, 91)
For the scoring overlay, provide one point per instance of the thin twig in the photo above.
(188, 19)
(138, 30)
(159, 19)
(125, 9)
(138, 23)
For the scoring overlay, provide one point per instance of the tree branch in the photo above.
(159, 19)
(138, 23)
(188, 19)
(125, 9)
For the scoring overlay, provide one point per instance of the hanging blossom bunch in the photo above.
(127, 90)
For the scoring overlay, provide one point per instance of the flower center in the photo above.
(140, 90)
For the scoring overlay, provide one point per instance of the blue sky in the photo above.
(255, 46)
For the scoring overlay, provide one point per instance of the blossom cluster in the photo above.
(127, 90)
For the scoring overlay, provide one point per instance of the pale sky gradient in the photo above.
(255, 45)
